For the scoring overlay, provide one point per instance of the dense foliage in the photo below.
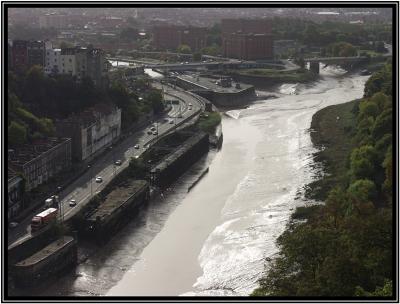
(345, 246)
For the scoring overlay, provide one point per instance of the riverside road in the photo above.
(85, 187)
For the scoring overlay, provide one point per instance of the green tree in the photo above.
(17, 134)
(362, 162)
(197, 56)
(129, 34)
(184, 49)
(362, 190)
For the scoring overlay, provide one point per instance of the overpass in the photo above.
(232, 64)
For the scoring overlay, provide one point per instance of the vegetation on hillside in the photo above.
(33, 94)
(345, 246)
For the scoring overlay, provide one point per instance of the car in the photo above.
(155, 132)
(72, 203)
(171, 122)
(149, 132)
(190, 104)
(118, 162)
(99, 179)
(13, 225)
(153, 129)
(136, 146)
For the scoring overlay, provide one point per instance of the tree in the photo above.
(197, 56)
(17, 134)
(184, 49)
(362, 190)
(129, 34)
(362, 162)
(155, 98)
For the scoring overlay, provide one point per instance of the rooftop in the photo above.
(27, 152)
(117, 198)
(46, 251)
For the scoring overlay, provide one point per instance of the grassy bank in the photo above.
(209, 121)
(332, 129)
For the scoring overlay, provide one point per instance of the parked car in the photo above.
(99, 179)
(155, 132)
(171, 122)
(13, 225)
(118, 162)
(72, 203)
(136, 146)
(149, 132)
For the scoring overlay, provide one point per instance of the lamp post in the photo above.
(113, 156)
(91, 182)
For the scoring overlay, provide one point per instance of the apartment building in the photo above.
(78, 62)
(170, 37)
(41, 160)
(248, 39)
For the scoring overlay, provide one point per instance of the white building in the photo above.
(92, 130)
(78, 62)
(52, 61)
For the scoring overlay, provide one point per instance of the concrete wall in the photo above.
(180, 160)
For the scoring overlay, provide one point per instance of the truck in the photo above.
(43, 219)
(51, 202)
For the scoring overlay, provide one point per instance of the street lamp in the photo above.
(113, 156)
(91, 182)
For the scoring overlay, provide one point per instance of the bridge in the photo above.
(233, 63)
(336, 59)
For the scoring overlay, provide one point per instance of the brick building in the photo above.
(170, 37)
(91, 131)
(19, 54)
(25, 54)
(41, 160)
(248, 39)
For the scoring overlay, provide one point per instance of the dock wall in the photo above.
(176, 163)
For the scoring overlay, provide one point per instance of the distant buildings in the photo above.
(53, 21)
(170, 37)
(91, 131)
(25, 54)
(247, 39)
(41, 160)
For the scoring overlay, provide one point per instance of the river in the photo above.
(214, 239)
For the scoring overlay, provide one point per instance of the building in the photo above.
(248, 39)
(170, 37)
(91, 131)
(41, 160)
(25, 54)
(78, 62)
(52, 61)
(36, 53)
(19, 55)
(15, 194)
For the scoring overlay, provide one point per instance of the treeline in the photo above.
(33, 94)
(344, 248)
(321, 34)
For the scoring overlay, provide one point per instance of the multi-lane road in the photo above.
(82, 189)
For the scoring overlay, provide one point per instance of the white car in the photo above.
(171, 122)
(99, 179)
(13, 225)
(118, 162)
(72, 203)
(136, 146)
(155, 132)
